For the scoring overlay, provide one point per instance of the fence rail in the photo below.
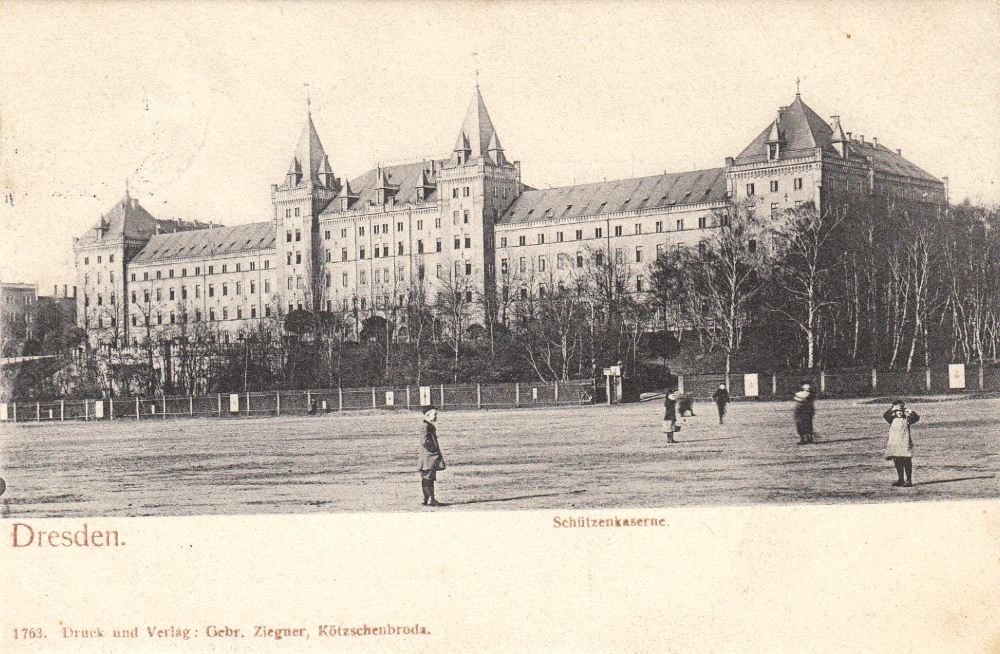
(312, 401)
(952, 378)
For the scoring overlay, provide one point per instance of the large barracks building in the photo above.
(463, 228)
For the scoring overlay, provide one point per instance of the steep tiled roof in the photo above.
(620, 195)
(216, 241)
(127, 218)
(407, 177)
(887, 161)
(477, 128)
(801, 130)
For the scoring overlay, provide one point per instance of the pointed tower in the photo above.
(838, 140)
(309, 187)
(475, 186)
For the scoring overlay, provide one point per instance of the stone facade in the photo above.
(453, 230)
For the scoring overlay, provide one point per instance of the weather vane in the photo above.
(308, 100)
(796, 85)
(475, 60)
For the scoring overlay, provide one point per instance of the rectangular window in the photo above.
(225, 290)
(267, 285)
(237, 288)
(211, 270)
(774, 186)
(454, 217)
(797, 184)
(420, 247)
(619, 255)
(197, 291)
(361, 253)
(171, 294)
(559, 237)
(638, 283)
(468, 242)
(454, 192)
(344, 280)
(197, 270)
(399, 248)
(598, 232)
(638, 254)
(253, 287)
(253, 310)
(158, 274)
(399, 226)
(170, 274)
(503, 266)
(618, 230)
(458, 242)
(361, 230)
(225, 313)
(702, 222)
(363, 279)
(298, 233)
(579, 259)
(750, 190)
(437, 245)
(465, 191)
(579, 234)
(680, 224)
(541, 239)
(560, 262)
(468, 268)
(158, 296)
(420, 224)
(523, 264)
(638, 228)
(343, 254)
(465, 217)
(133, 277)
(211, 290)
(290, 283)
(288, 236)
(145, 276)
(752, 246)
(774, 210)
(326, 235)
(343, 232)
(503, 241)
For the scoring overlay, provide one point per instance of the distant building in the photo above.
(459, 230)
(17, 300)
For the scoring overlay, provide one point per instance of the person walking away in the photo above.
(805, 410)
(721, 398)
(431, 459)
(899, 446)
(670, 414)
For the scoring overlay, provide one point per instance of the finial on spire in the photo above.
(475, 61)
(308, 99)
(796, 86)
(126, 187)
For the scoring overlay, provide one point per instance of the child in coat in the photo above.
(899, 446)
(431, 459)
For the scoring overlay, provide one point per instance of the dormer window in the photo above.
(772, 151)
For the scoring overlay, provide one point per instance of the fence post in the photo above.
(340, 399)
(164, 407)
(517, 394)
(62, 410)
(190, 405)
(111, 408)
(407, 397)
(774, 384)
(557, 390)
(442, 396)
(981, 377)
(86, 411)
(874, 380)
(479, 396)
(248, 402)
(822, 381)
(680, 385)
(277, 399)
(220, 404)
(374, 403)
(15, 411)
(309, 400)
(38, 411)
(137, 408)
(928, 378)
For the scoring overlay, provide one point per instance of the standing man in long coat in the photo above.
(431, 459)
(670, 414)
(721, 398)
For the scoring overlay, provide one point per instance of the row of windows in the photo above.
(111, 259)
(172, 294)
(619, 230)
(238, 267)
(796, 184)
(640, 286)
(182, 317)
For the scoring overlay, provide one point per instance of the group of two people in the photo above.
(675, 402)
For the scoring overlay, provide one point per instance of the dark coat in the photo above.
(805, 404)
(430, 450)
(669, 408)
(721, 396)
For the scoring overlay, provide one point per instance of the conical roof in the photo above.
(477, 128)
(309, 152)
(801, 130)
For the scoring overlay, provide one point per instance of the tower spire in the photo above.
(475, 62)
(308, 99)
(797, 86)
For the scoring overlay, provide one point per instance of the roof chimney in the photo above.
(862, 137)
(899, 151)
(874, 141)
(55, 290)
(848, 136)
(65, 290)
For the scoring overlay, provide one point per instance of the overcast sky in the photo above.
(200, 106)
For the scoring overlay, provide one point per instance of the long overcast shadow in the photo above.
(705, 440)
(954, 424)
(518, 497)
(948, 481)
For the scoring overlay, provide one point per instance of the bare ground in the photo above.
(559, 458)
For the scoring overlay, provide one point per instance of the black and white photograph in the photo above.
(477, 260)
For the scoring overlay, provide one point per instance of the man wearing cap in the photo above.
(805, 409)
(431, 459)
(721, 398)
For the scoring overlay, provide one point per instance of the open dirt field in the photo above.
(559, 458)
